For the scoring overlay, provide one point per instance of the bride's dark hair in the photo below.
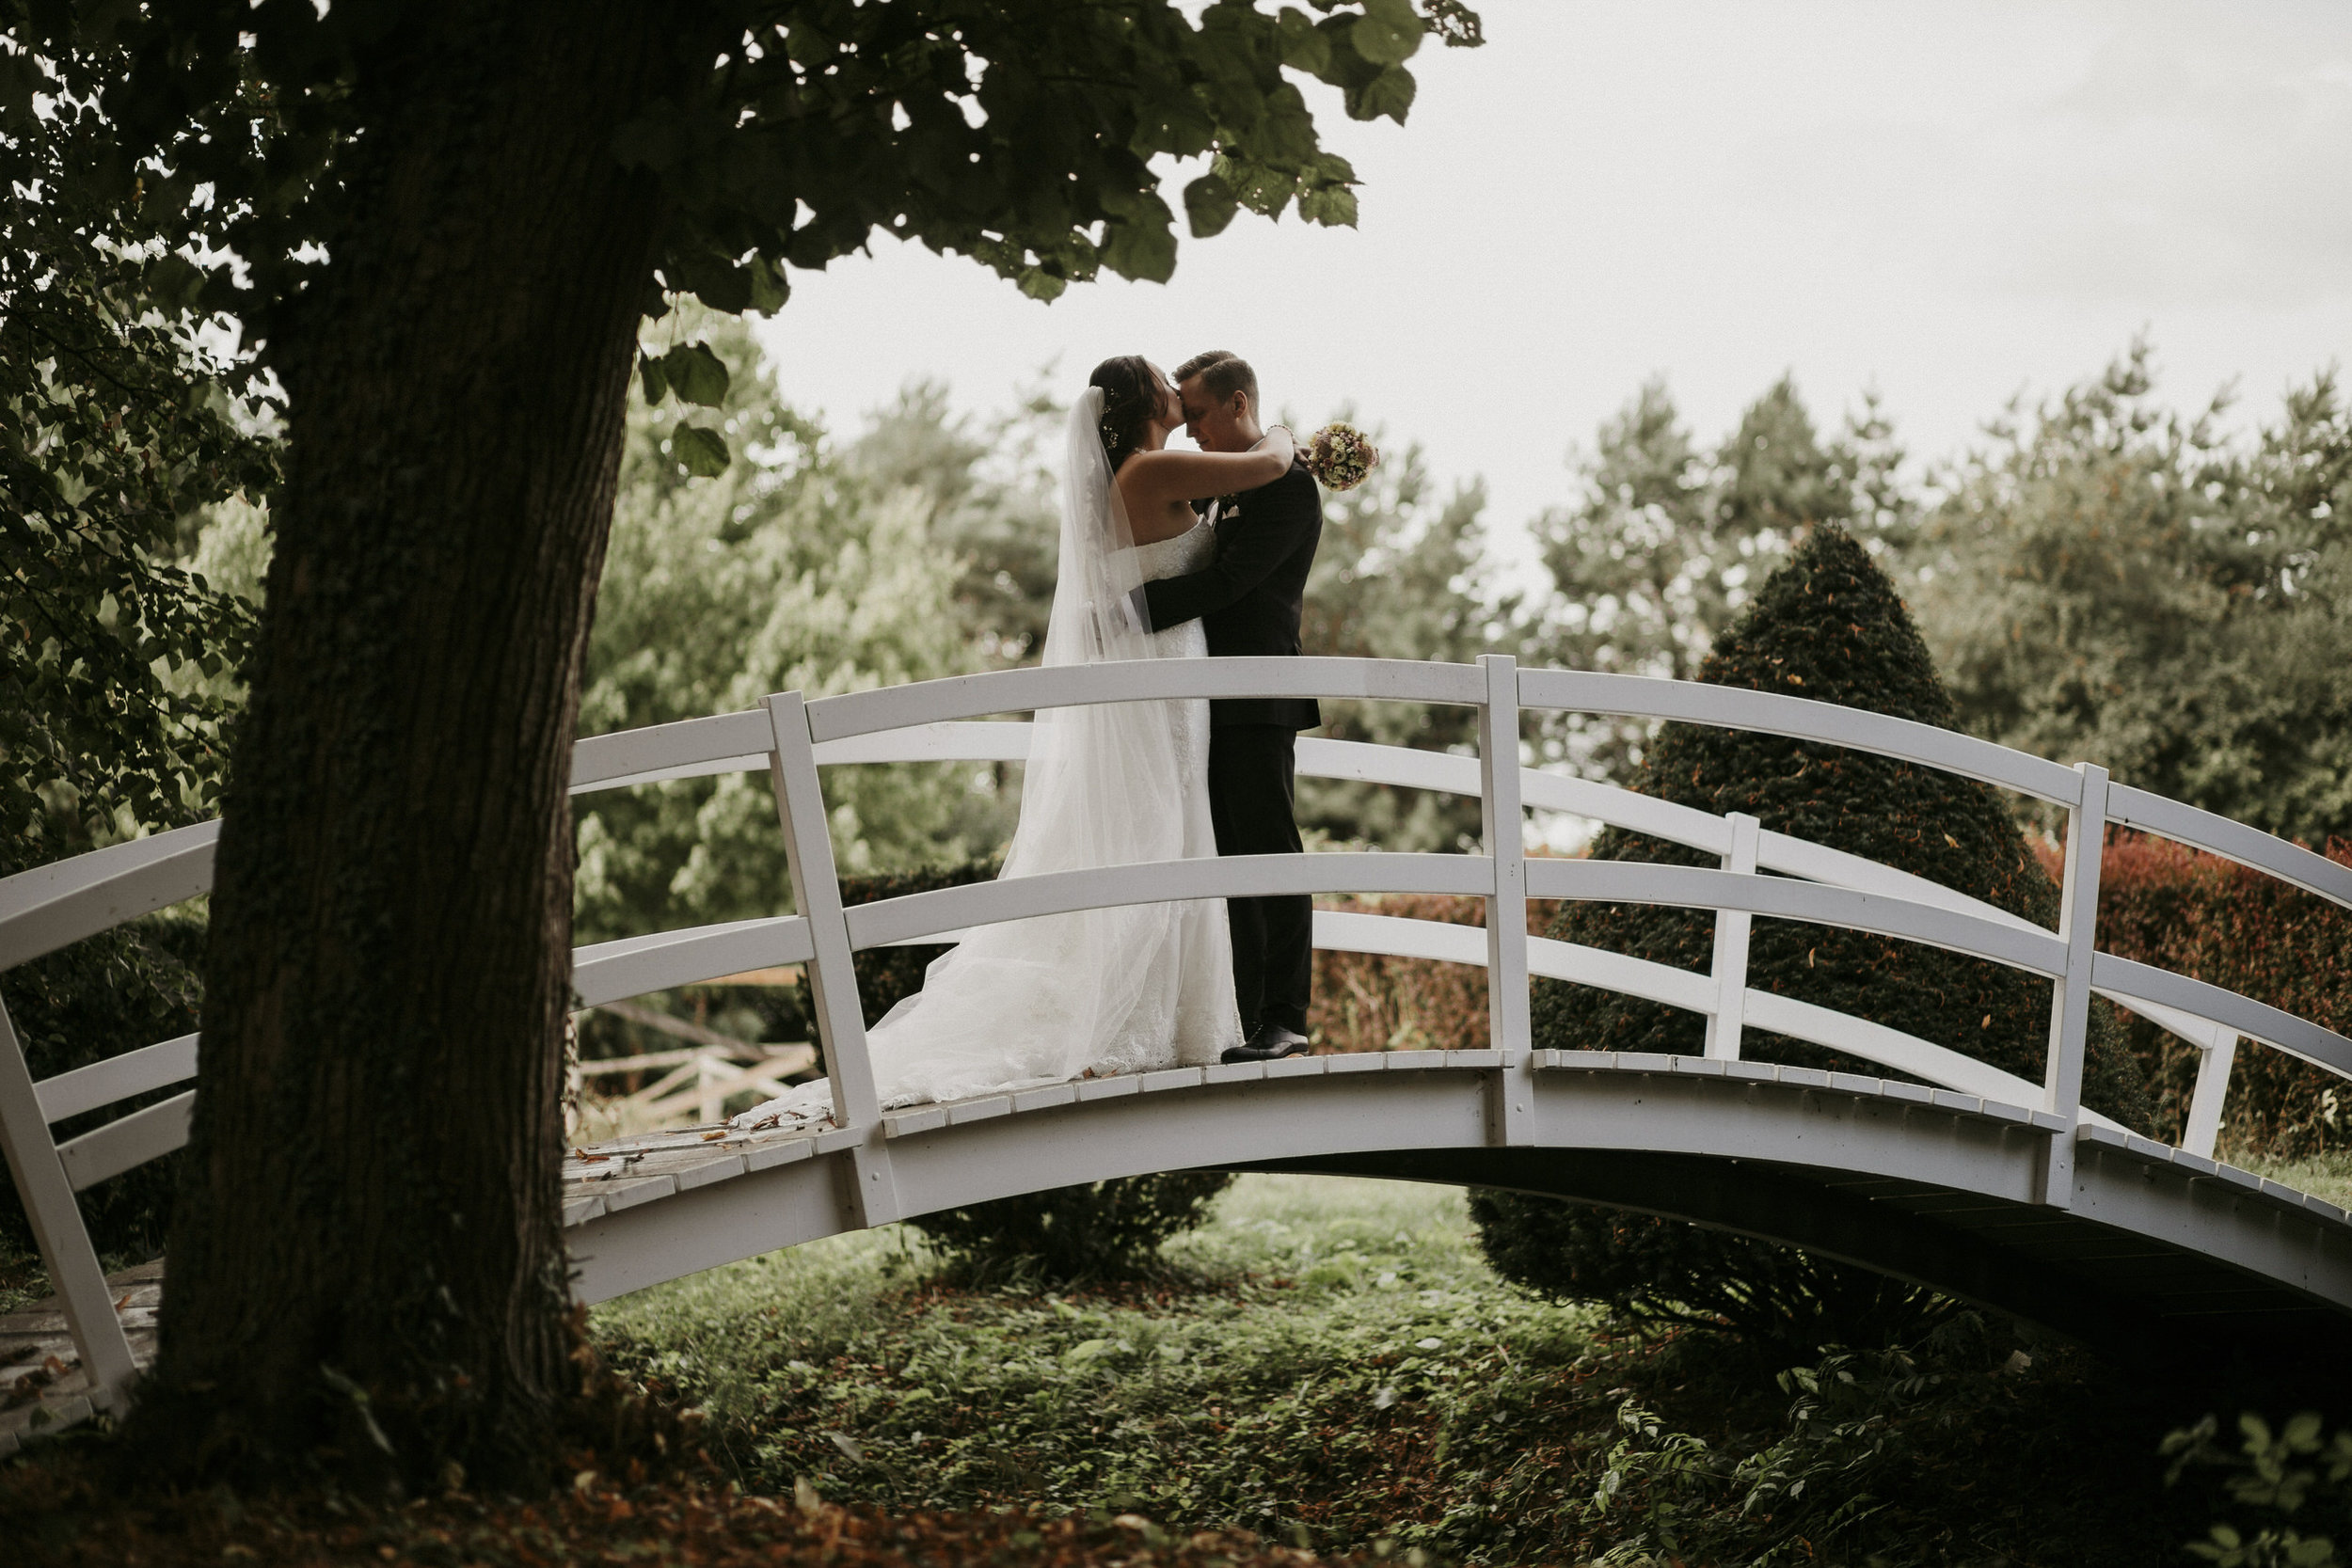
(1131, 395)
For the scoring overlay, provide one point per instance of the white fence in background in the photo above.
(1761, 873)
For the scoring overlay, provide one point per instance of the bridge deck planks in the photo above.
(43, 1386)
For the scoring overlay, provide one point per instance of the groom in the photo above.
(1247, 600)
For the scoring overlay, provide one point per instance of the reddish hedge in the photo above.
(2159, 903)
(1364, 1002)
(2197, 915)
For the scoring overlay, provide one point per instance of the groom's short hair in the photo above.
(1222, 373)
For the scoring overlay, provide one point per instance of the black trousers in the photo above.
(1253, 784)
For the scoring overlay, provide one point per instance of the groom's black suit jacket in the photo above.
(1247, 598)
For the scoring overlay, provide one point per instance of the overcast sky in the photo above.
(1951, 202)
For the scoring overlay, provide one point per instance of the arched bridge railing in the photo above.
(1761, 874)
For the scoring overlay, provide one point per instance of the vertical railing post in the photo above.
(1730, 968)
(2070, 995)
(870, 1196)
(1502, 824)
(64, 1241)
(2204, 1101)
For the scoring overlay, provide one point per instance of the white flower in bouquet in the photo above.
(1339, 456)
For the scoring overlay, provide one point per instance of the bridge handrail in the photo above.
(56, 905)
(50, 907)
(1799, 719)
(1402, 766)
(2251, 848)
(1140, 680)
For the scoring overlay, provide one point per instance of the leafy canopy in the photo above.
(118, 427)
(1030, 137)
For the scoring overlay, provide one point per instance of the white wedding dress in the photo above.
(1097, 991)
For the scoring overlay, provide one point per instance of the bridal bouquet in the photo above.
(1339, 455)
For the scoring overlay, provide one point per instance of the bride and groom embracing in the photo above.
(1164, 554)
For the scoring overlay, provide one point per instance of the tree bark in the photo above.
(367, 1266)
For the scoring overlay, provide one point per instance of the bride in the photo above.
(1096, 991)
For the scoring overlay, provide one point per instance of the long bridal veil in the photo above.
(1047, 1000)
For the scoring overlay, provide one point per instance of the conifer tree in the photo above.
(1830, 627)
(1827, 626)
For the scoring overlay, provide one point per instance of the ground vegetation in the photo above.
(1344, 1372)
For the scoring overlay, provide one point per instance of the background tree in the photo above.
(117, 428)
(1668, 542)
(2113, 581)
(797, 568)
(994, 498)
(445, 224)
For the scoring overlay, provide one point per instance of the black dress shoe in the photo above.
(1269, 1042)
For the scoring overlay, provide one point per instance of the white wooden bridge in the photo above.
(1954, 1174)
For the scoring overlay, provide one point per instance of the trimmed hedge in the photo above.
(1828, 625)
(2163, 903)
(1070, 1235)
(1094, 1231)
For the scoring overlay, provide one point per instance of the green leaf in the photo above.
(1143, 251)
(174, 280)
(716, 280)
(1040, 285)
(696, 374)
(1210, 203)
(769, 288)
(701, 451)
(1331, 205)
(1388, 32)
(1302, 47)
(655, 379)
(1140, 242)
(1390, 94)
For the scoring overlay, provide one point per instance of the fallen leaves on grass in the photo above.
(54, 1510)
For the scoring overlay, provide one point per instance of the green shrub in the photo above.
(1827, 626)
(135, 985)
(1659, 1272)
(1095, 1230)
(2278, 1473)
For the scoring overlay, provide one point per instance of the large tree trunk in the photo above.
(370, 1200)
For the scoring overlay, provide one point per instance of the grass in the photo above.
(1336, 1366)
(2326, 1175)
(1270, 1389)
